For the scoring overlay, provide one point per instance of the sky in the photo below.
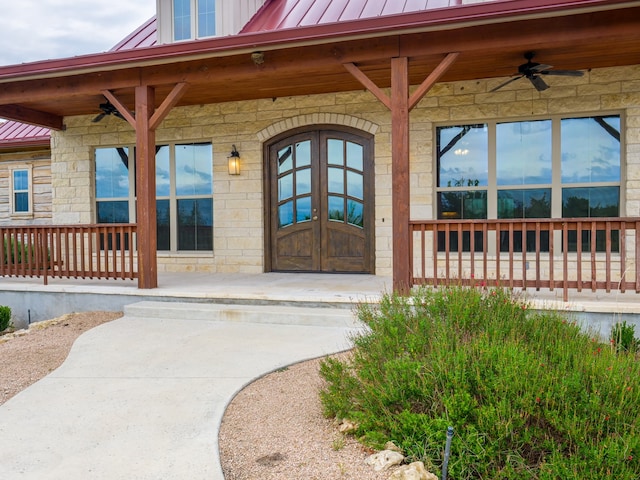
(35, 30)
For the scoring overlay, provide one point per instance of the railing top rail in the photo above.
(520, 221)
(81, 226)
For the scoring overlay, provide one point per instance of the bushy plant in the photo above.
(530, 395)
(623, 337)
(5, 317)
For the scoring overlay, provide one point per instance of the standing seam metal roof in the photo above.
(283, 14)
(18, 134)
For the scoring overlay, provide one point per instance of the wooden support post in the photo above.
(146, 188)
(400, 173)
(400, 105)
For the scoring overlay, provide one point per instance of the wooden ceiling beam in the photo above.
(33, 117)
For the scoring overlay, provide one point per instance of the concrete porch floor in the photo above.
(33, 301)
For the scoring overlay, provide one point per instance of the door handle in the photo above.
(315, 217)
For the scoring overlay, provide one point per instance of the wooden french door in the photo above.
(321, 202)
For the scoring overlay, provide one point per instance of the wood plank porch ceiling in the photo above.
(577, 41)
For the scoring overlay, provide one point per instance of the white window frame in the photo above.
(28, 191)
(166, 17)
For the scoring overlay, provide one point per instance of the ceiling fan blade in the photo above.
(98, 117)
(567, 73)
(517, 77)
(539, 67)
(538, 83)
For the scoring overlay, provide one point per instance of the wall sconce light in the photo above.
(234, 161)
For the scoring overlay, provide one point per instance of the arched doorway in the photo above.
(320, 201)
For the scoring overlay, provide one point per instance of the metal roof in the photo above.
(16, 134)
(143, 36)
(282, 14)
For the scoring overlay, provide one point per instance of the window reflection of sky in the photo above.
(194, 169)
(465, 159)
(523, 153)
(163, 172)
(590, 153)
(112, 175)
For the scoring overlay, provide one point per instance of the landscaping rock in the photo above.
(384, 459)
(413, 471)
(347, 426)
(392, 446)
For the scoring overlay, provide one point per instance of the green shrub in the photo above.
(530, 395)
(17, 252)
(623, 337)
(5, 318)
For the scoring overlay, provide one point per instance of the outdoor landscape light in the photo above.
(234, 161)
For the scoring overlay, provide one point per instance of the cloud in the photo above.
(46, 29)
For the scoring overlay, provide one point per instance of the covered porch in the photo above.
(398, 61)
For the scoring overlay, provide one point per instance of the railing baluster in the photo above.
(485, 245)
(472, 250)
(423, 250)
(446, 252)
(523, 228)
(622, 239)
(511, 255)
(636, 260)
(579, 255)
(498, 234)
(607, 230)
(435, 254)
(565, 261)
(592, 244)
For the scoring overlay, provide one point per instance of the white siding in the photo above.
(231, 16)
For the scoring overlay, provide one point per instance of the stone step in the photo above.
(275, 314)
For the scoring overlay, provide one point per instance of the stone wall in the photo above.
(238, 200)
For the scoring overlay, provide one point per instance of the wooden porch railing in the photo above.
(85, 251)
(570, 253)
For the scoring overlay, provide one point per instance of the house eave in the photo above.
(433, 20)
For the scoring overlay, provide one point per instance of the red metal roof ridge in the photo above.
(476, 13)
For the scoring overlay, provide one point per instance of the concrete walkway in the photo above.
(142, 397)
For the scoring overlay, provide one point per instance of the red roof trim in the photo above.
(480, 12)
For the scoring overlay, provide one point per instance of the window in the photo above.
(184, 193)
(548, 168)
(193, 19)
(21, 204)
(185, 205)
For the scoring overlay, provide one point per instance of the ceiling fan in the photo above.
(532, 71)
(107, 109)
